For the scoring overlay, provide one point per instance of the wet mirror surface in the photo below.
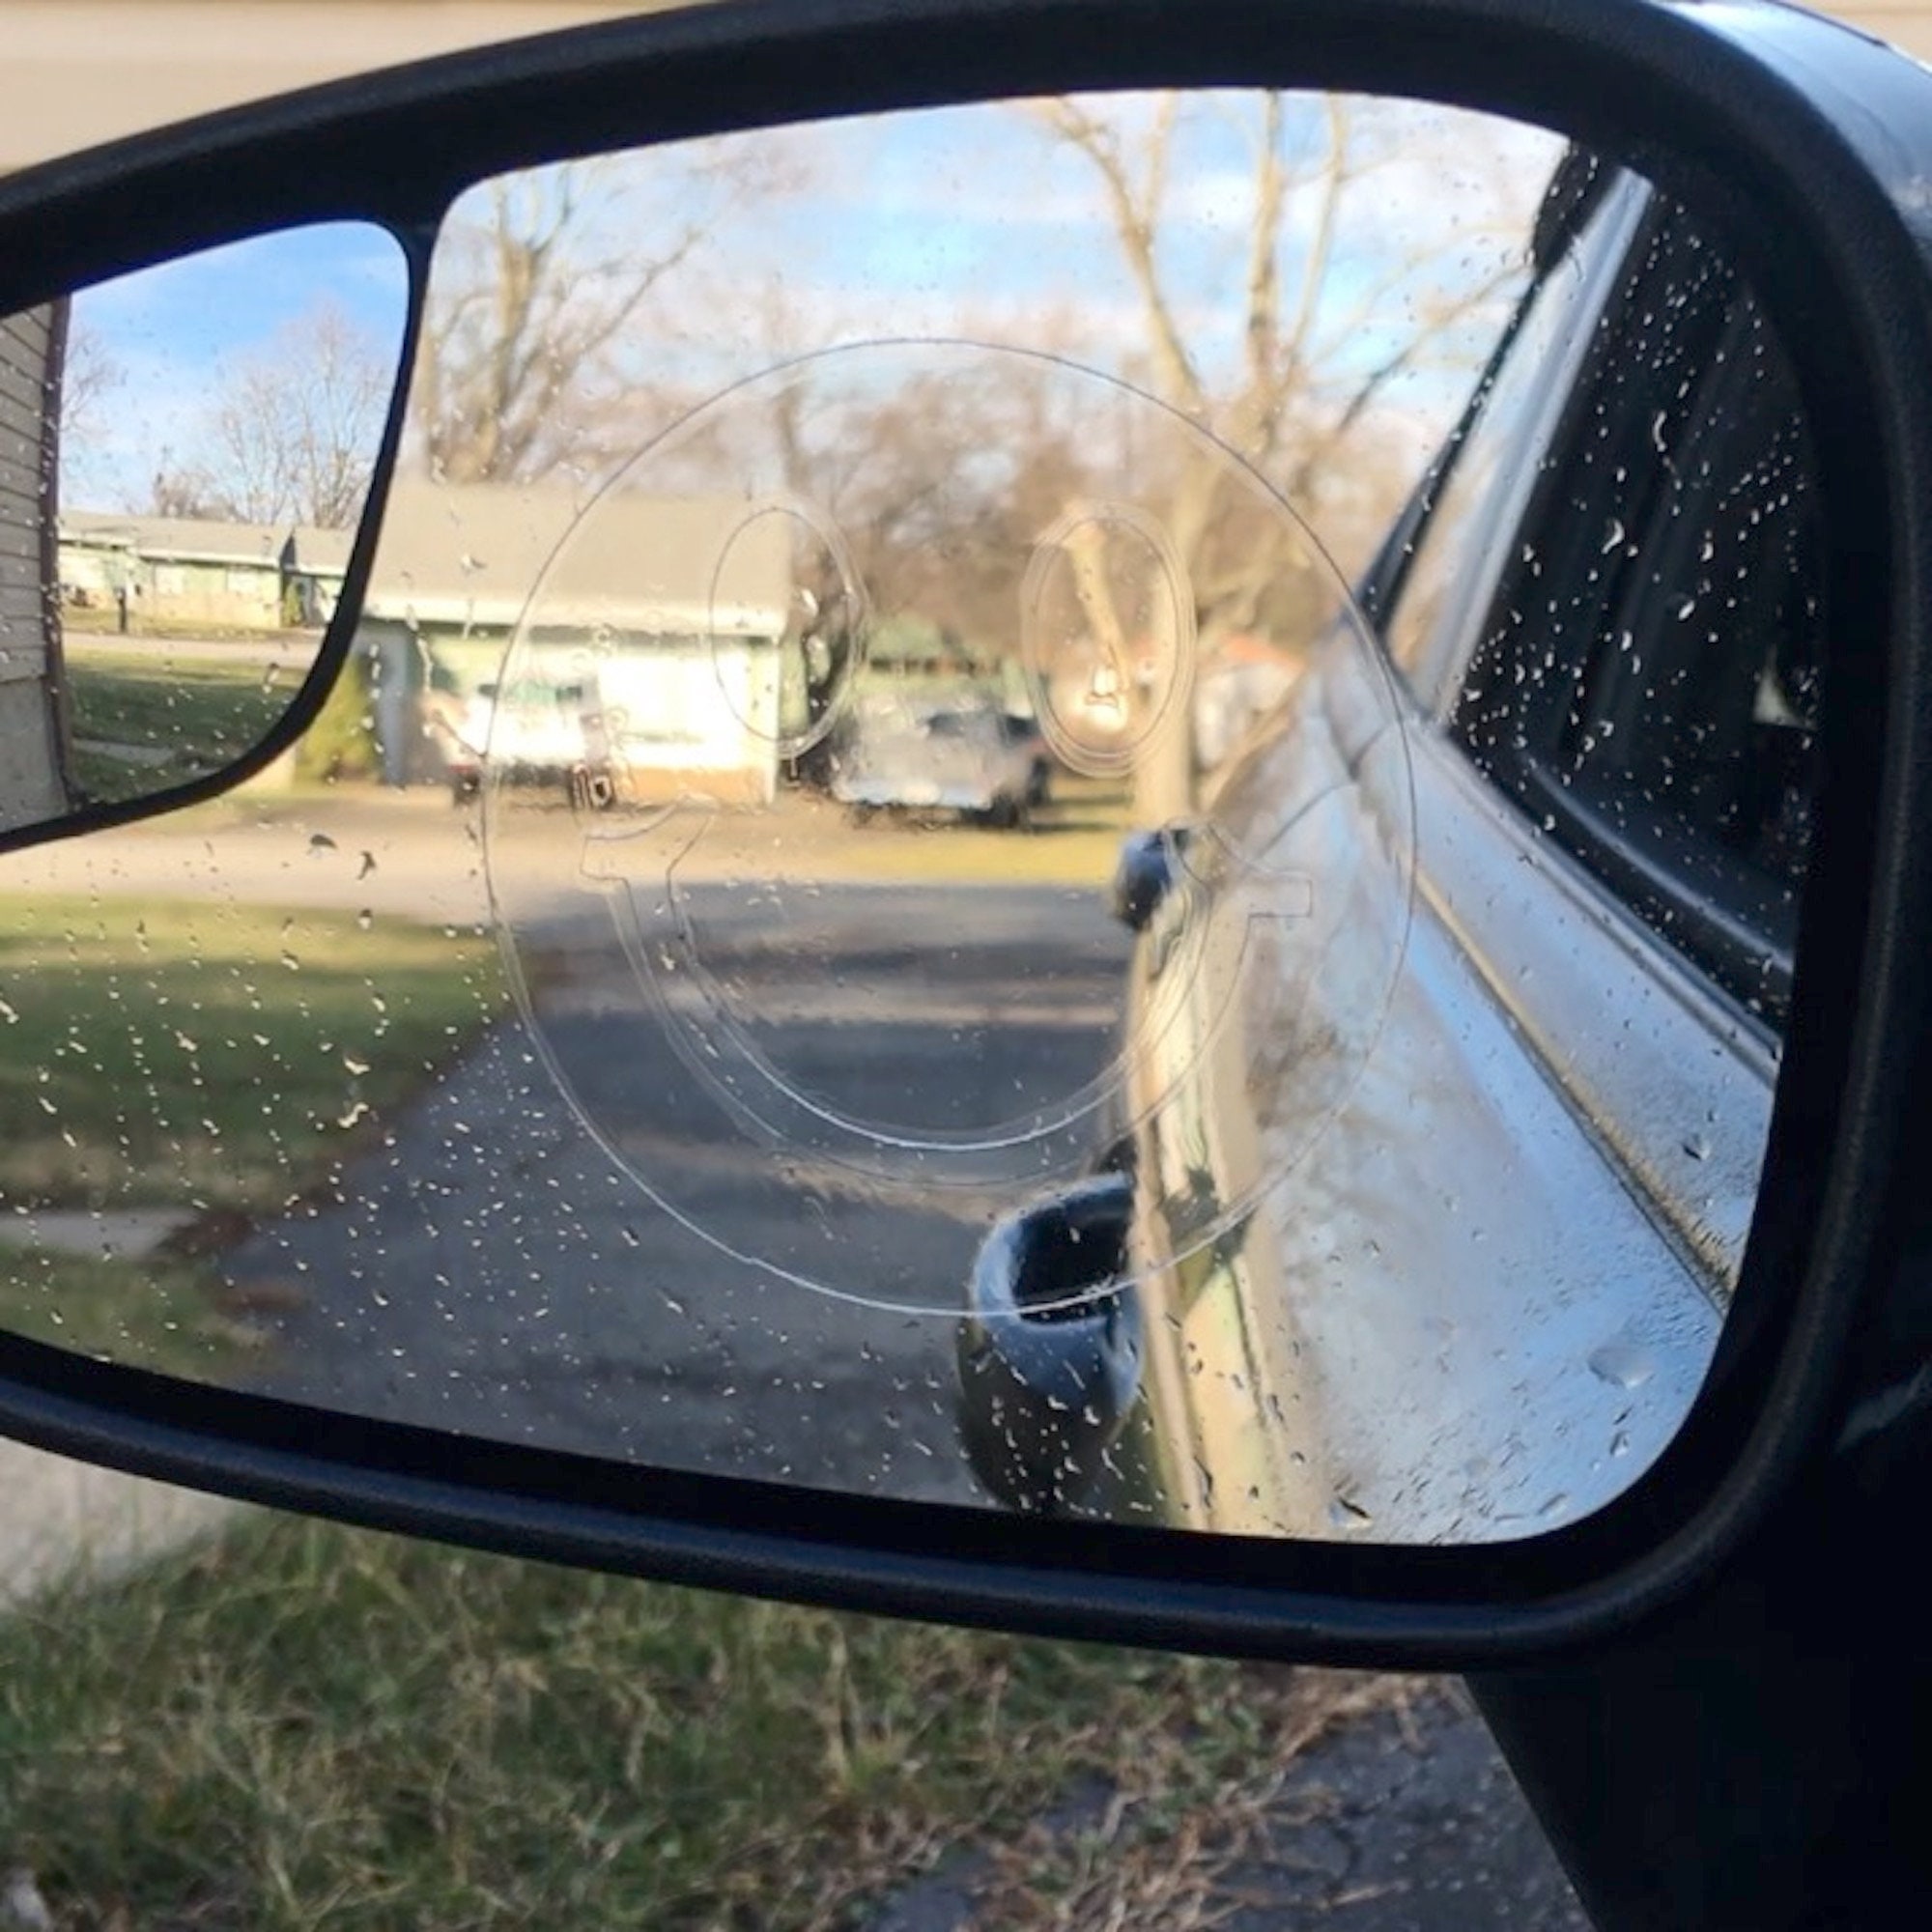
(907, 891)
(190, 448)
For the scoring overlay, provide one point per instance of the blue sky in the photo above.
(170, 333)
(970, 221)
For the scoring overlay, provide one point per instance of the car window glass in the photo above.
(1445, 575)
(1649, 692)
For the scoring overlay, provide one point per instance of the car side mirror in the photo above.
(1413, 1208)
(1146, 874)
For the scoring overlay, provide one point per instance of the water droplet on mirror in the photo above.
(1622, 1364)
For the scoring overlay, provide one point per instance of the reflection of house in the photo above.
(173, 570)
(313, 562)
(662, 613)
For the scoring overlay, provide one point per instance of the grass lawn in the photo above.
(296, 1728)
(164, 1312)
(205, 1057)
(302, 1726)
(148, 719)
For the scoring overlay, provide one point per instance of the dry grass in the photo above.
(1182, 1814)
(302, 1726)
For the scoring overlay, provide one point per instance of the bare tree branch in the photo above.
(536, 285)
(290, 434)
(1135, 225)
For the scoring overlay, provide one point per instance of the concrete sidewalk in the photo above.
(57, 1517)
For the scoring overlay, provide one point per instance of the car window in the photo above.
(1647, 685)
(1452, 565)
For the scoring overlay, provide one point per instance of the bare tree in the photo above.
(1311, 287)
(1294, 392)
(181, 489)
(88, 375)
(538, 280)
(288, 433)
(295, 427)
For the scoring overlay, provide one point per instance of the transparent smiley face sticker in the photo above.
(768, 941)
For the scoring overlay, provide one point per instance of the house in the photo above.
(662, 617)
(314, 563)
(173, 572)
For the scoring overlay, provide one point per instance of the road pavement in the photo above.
(621, 1265)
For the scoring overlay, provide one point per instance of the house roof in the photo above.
(476, 555)
(176, 539)
(318, 551)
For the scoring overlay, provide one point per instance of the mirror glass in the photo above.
(1084, 805)
(187, 453)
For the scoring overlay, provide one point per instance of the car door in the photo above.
(1604, 642)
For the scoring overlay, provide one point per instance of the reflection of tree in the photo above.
(291, 433)
(87, 373)
(942, 487)
(1335, 303)
(938, 470)
(541, 285)
(1290, 374)
(523, 308)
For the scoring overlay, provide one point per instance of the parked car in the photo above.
(529, 732)
(1589, 715)
(984, 764)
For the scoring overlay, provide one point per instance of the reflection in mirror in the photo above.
(903, 893)
(189, 449)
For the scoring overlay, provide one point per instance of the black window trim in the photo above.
(1750, 968)
(1619, 209)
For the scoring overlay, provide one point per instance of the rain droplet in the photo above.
(1622, 1364)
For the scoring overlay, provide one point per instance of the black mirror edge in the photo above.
(1709, 105)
